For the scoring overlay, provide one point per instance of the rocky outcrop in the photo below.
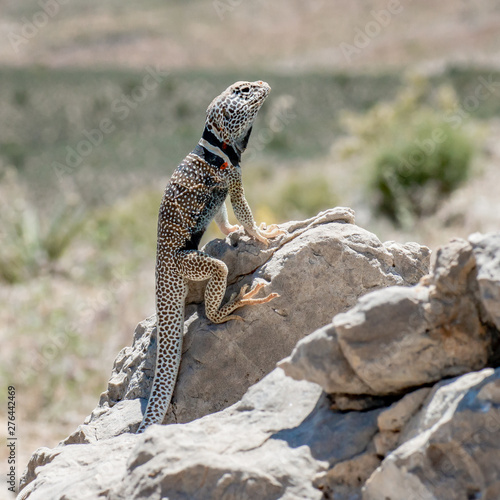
(398, 339)
(451, 448)
(319, 268)
(487, 256)
(373, 346)
(236, 453)
(365, 412)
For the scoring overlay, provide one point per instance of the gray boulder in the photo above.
(487, 255)
(400, 338)
(272, 444)
(367, 435)
(451, 449)
(397, 339)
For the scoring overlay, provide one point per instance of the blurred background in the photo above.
(390, 107)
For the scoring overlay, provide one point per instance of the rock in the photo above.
(454, 263)
(487, 255)
(455, 451)
(123, 417)
(319, 268)
(395, 417)
(408, 260)
(76, 471)
(379, 432)
(385, 441)
(383, 335)
(319, 358)
(272, 444)
(399, 338)
(344, 480)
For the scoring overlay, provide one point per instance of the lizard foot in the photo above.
(228, 229)
(244, 298)
(270, 232)
(263, 233)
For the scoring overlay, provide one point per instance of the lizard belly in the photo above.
(194, 195)
(185, 228)
(207, 210)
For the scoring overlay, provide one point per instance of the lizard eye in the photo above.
(245, 90)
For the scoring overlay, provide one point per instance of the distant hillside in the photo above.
(284, 34)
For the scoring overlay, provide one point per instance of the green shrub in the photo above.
(13, 154)
(32, 242)
(415, 157)
(412, 177)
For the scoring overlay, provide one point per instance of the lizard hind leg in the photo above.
(196, 265)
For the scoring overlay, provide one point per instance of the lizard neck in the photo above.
(216, 152)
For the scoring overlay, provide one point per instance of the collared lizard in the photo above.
(194, 196)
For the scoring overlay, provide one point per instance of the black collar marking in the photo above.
(214, 159)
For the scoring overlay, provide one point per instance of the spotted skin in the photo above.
(194, 196)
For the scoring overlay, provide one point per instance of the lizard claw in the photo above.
(229, 229)
(270, 232)
(264, 233)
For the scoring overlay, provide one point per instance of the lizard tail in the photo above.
(169, 335)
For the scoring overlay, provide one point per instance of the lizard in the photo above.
(194, 196)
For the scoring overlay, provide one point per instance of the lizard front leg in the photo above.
(244, 213)
(222, 221)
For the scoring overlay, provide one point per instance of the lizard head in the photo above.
(230, 115)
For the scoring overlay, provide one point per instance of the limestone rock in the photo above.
(399, 338)
(319, 358)
(319, 268)
(272, 444)
(396, 416)
(393, 419)
(385, 441)
(454, 263)
(486, 249)
(286, 438)
(344, 480)
(76, 471)
(455, 452)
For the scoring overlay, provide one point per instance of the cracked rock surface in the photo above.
(436, 443)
